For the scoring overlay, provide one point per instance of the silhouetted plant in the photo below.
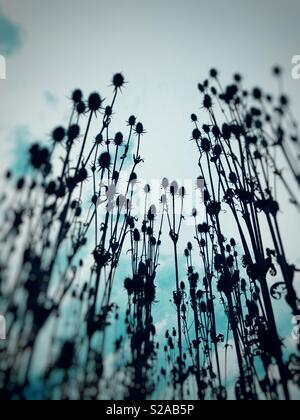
(47, 225)
(206, 339)
(70, 218)
(173, 196)
(145, 249)
(239, 169)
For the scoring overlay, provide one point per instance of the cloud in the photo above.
(21, 139)
(10, 36)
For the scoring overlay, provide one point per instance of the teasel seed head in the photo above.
(99, 139)
(73, 132)
(77, 96)
(118, 139)
(139, 129)
(182, 192)
(104, 161)
(165, 183)
(81, 108)
(94, 102)
(196, 134)
(132, 121)
(213, 73)
(173, 188)
(207, 102)
(58, 134)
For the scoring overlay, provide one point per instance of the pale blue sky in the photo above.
(164, 48)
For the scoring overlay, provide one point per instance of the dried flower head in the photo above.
(277, 71)
(81, 108)
(207, 102)
(58, 134)
(257, 93)
(77, 96)
(237, 78)
(139, 129)
(94, 102)
(133, 178)
(182, 192)
(173, 188)
(206, 128)
(213, 73)
(152, 213)
(196, 134)
(73, 132)
(38, 156)
(104, 161)
(217, 150)
(147, 188)
(165, 183)
(233, 178)
(118, 80)
(118, 139)
(99, 139)
(136, 235)
(121, 201)
(205, 145)
(131, 121)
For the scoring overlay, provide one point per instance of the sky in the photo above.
(163, 48)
